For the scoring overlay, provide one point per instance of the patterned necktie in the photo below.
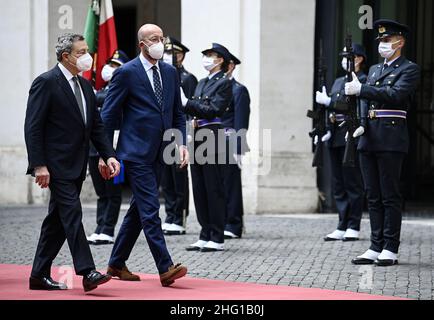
(78, 97)
(157, 86)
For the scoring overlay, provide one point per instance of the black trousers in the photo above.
(63, 222)
(174, 185)
(347, 190)
(109, 200)
(209, 200)
(381, 173)
(234, 199)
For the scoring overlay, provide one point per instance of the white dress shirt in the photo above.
(148, 68)
(68, 75)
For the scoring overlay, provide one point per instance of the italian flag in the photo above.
(100, 35)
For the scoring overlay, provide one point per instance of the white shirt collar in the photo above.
(146, 64)
(391, 62)
(212, 75)
(68, 75)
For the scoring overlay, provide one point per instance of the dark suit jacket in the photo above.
(132, 99)
(55, 133)
(394, 89)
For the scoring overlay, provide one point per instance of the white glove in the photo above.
(326, 137)
(238, 158)
(359, 132)
(315, 140)
(354, 87)
(184, 99)
(322, 97)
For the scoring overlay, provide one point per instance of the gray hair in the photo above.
(65, 42)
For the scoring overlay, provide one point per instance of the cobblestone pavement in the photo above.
(279, 250)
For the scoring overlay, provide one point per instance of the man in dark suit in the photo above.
(147, 93)
(386, 98)
(61, 118)
(174, 183)
(236, 123)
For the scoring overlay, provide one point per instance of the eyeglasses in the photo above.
(156, 39)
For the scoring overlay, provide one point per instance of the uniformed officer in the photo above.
(174, 182)
(235, 122)
(347, 182)
(108, 191)
(212, 97)
(388, 95)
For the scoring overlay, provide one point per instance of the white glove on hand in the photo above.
(184, 99)
(322, 97)
(359, 132)
(354, 87)
(315, 140)
(326, 137)
(238, 158)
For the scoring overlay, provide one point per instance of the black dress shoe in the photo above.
(193, 248)
(205, 249)
(350, 239)
(45, 283)
(385, 262)
(173, 233)
(327, 239)
(92, 280)
(362, 261)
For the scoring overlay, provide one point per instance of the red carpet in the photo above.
(14, 286)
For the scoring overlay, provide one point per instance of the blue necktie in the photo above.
(157, 86)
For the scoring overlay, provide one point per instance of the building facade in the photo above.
(277, 42)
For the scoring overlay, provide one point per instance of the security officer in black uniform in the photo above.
(212, 97)
(347, 182)
(236, 123)
(174, 182)
(108, 191)
(384, 141)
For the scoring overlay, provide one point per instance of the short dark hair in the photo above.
(65, 42)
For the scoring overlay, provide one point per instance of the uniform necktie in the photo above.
(78, 97)
(385, 66)
(157, 86)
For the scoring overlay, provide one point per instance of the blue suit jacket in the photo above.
(132, 98)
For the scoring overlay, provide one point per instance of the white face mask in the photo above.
(84, 62)
(156, 50)
(385, 49)
(107, 72)
(167, 57)
(208, 63)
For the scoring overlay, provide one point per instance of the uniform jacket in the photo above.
(188, 82)
(211, 99)
(238, 113)
(338, 92)
(393, 89)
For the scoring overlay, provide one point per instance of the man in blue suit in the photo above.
(146, 92)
